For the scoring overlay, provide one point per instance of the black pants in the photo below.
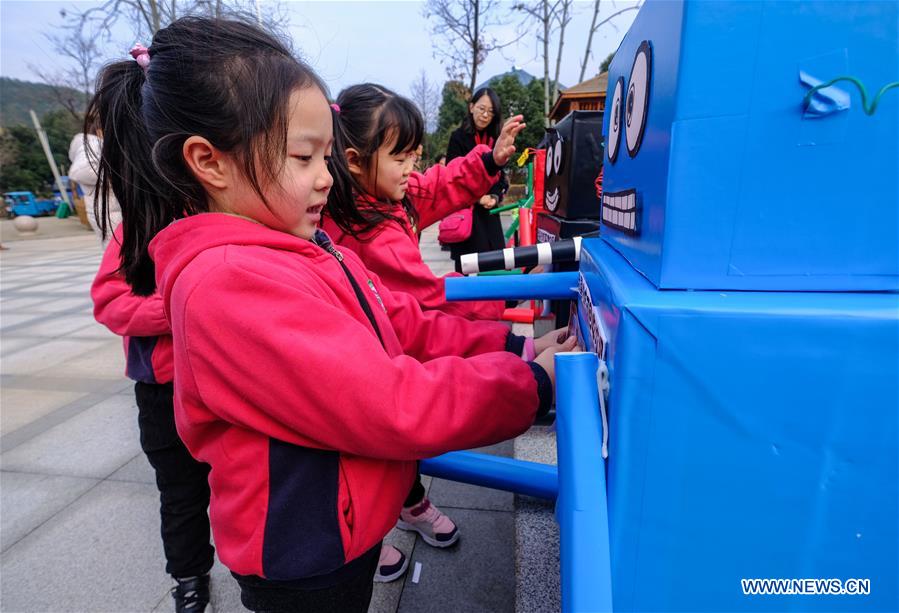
(182, 481)
(347, 590)
(416, 494)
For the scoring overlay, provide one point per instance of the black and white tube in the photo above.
(568, 250)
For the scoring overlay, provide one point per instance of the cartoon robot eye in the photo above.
(557, 156)
(637, 103)
(549, 160)
(615, 121)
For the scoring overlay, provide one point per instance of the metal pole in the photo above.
(497, 472)
(42, 136)
(550, 286)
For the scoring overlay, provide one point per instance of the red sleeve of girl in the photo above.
(116, 307)
(444, 189)
(430, 334)
(288, 360)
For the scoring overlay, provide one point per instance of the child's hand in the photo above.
(546, 359)
(489, 201)
(556, 337)
(505, 144)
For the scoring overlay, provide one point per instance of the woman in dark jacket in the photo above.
(480, 126)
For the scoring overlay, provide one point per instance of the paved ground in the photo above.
(78, 504)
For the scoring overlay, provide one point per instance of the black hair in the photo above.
(371, 115)
(223, 79)
(495, 124)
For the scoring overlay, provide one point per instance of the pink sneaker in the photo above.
(392, 563)
(435, 528)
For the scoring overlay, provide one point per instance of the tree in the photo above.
(462, 26)
(518, 99)
(24, 164)
(563, 18)
(148, 16)
(453, 108)
(79, 37)
(594, 27)
(604, 66)
(550, 16)
(427, 98)
(77, 44)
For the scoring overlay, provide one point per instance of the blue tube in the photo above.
(496, 472)
(553, 286)
(581, 508)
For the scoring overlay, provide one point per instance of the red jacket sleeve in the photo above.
(426, 335)
(444, 189)
(297, 367)
(116, 307)
(395, 257)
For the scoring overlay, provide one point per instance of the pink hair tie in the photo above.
(336, 108)
(142, 55)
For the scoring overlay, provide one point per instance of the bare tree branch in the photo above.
(426, 96)
(81, 53)
(594, 27)
(563, 18)
(463, 25)
(543, 13)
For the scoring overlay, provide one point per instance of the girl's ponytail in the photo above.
(341, 206)
(126, 169)
(225, 80)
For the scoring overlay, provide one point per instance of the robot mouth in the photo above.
(619, 210)
(552, 199)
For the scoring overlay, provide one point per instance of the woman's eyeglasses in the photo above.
(480, 110)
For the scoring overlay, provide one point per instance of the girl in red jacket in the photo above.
(181, 480)
(382, 132)
(308, 386)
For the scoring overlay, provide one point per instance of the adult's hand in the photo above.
(505, 144)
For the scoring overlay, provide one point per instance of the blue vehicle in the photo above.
(25, 203)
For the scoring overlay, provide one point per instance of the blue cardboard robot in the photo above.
(745, 291)
(741, 314)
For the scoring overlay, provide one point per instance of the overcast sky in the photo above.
(346, 42)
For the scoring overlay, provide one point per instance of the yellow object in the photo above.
(523, 158)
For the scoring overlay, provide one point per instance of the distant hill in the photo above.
(523, 76)
(16, 97)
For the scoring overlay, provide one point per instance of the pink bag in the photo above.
(456, 227)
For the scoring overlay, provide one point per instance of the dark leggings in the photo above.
(416, 494)
(182, 482)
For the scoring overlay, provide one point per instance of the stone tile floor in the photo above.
(78, 504)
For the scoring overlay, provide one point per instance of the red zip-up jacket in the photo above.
(392, 252)
(138, 319)
(311, 422)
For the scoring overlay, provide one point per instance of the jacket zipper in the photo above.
(363, 302)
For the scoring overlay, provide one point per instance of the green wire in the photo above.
(861, 89)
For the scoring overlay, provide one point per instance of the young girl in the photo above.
(381, 132)
(309, 387)
(181, 480)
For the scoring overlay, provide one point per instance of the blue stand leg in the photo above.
(581, 508)
(496, 472)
